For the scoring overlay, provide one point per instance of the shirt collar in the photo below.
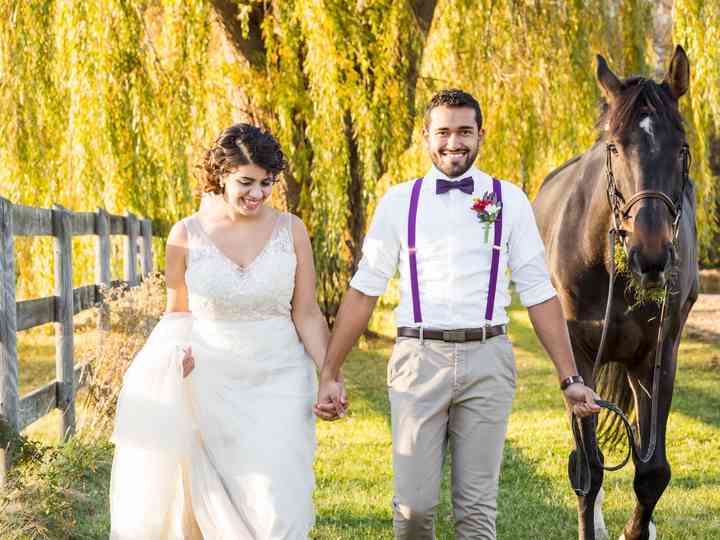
(481, 180)
(434, 173)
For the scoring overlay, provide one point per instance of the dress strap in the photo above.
(197, 238)
(284, 222)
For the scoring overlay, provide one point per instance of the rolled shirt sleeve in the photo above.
(527, 257)
(532, 282)
(381, 250)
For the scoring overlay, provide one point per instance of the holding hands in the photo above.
(332, 401)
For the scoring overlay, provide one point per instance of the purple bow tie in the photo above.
(465, 185)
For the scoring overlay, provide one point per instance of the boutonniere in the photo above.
(488, 210)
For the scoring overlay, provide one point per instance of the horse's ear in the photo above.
(678, 74)
(608, 81)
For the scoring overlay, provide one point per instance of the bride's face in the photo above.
(247, 188)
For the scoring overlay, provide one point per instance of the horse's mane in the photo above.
(639, 96)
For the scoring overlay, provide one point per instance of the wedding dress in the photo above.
(227, 452)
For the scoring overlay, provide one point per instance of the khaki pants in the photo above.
(459, 393)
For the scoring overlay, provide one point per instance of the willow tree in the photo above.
(533, 71)
(697, 28)
(103, 103)
(336, 82)
(110, 103)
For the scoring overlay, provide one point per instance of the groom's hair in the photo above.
(454, 98)
(240, 144)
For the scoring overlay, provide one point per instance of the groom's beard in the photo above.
(453, 168)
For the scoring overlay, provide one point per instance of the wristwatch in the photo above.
(572, 379)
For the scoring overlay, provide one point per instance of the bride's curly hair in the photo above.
(240, 144)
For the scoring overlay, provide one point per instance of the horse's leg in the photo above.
(652, 478)
(591, 525)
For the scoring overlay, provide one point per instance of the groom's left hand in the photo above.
(581, 400)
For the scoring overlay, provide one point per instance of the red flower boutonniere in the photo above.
(488, 210)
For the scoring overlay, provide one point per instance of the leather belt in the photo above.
(453, 336)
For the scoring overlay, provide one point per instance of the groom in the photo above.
(454, 234)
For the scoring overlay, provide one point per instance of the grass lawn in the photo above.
(354, 483)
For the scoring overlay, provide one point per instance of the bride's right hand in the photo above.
(188, 361)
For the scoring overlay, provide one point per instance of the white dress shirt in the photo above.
(453, 260)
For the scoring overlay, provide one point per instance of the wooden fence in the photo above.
(16, 413)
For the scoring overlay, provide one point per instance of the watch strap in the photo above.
(572, 379)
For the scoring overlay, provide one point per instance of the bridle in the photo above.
(579, 465)
(621, 209)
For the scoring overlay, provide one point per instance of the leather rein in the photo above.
(579, 466)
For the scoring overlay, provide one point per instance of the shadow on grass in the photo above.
(703, 335)
(345, 524)
(697, 403)
(692, 482)
(528, 503)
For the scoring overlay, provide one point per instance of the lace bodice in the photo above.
(220, 289)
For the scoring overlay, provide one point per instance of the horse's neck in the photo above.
(597, 216)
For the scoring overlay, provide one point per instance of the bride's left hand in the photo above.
(188, 361)
(332, 400)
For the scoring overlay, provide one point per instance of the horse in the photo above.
(629, 196)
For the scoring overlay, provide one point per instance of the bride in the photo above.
(214, 432)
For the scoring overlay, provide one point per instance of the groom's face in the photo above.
(453, 139)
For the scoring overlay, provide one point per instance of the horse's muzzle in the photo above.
(652, 270)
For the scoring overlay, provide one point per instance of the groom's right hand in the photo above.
(331, 401)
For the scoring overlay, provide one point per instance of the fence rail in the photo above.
(17, 412)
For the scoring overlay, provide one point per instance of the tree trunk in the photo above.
(356, 203)
(662, 35)
(250, 46)
(423, 11)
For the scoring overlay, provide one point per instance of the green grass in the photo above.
(353, 467)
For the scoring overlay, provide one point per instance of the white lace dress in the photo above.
(226, 453)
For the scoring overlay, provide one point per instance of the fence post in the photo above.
(9, 397)
(147, 255)
(64, 340)
(131, 249)
(102, 265)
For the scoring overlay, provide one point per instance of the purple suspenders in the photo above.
(412, 256)
(412, 218)
(497, 247)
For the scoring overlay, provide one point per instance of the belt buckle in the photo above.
(454, 336)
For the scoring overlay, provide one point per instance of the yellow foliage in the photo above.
(111, 103)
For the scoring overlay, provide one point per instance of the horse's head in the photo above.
(647, 161)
